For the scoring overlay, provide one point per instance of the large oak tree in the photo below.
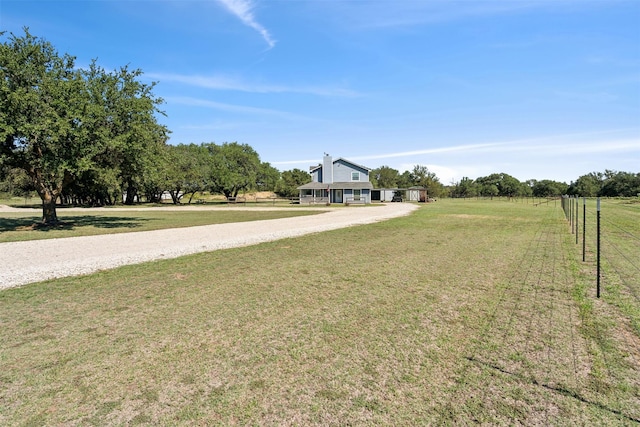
(59, 123)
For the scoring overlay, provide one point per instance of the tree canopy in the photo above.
(290, 181)
(384, 177)
(61, 124)
(423, 177)
(234, 167)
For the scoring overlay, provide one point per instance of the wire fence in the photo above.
(609, 234)
(536, 335)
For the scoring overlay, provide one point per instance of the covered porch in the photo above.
(337, 192)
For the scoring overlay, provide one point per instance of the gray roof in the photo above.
(356, 185)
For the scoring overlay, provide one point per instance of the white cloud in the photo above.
(565, 144)
(439, 150)
(243, 9)
(220, 82)
(243, 109)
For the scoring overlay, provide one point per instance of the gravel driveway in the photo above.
(37, 260)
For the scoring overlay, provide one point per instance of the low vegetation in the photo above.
(466, 312)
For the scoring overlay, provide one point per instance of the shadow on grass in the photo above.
(71, 223)
(560, 390)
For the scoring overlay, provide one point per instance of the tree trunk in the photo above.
(130, 197)
(49, 214)
(48, 196)
(132, 192)
(175, 196)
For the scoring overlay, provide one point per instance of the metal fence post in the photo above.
(571, 213)
(577, 220)
(598, 249)
(584, 228)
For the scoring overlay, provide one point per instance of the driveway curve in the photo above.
(37, 260)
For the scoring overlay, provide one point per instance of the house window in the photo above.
(356, 194)
(355, 176)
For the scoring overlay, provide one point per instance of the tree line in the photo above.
(91, 137)
(595, 184)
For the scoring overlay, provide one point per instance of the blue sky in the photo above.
(540, 89)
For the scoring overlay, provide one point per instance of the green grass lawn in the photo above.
(19, 226)
(465, 312)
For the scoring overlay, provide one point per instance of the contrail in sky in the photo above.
(243, 10)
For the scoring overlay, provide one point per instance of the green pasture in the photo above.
(465, 312)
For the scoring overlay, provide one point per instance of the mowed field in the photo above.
(465, 312)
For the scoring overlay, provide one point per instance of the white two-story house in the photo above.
(337, 181)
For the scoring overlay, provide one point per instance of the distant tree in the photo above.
(549, 188)
(530, 183)
(405, 180)
(186, 170)
(15, 182)
(607, 184)
(488, 185)
(384, 177)
(489, 190)
(509, 186)
(267, 177)
(620, 184)
(153, 186)
(423, 177)
(234, 167)
(124, 128)
(96, 187)
(290, 181)
(129, 144)
(587, 185)
(500, 184)
(525, 190)
(465, 188)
